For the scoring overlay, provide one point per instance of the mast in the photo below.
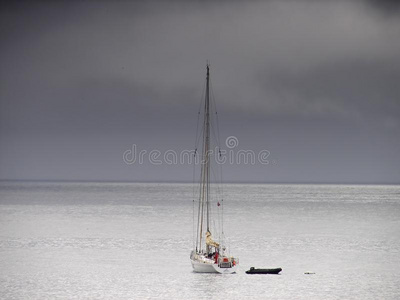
(208, 145)
(204, 201)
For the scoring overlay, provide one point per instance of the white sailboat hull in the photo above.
(202, 267)
(225, 270)
(208, 267)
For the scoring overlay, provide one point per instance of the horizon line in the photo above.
(191, 182)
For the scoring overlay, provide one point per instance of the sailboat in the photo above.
(209, 254)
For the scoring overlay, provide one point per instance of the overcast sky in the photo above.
(316, 83)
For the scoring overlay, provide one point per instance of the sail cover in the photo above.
(210, 241)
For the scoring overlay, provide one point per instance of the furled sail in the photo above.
(210, 241)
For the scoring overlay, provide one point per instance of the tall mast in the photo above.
(204, 207)
(208, 145)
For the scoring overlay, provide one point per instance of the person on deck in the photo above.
(216, 256)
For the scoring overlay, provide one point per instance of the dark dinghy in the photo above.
(263, 271)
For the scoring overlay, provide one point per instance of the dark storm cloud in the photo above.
(348, 89)
(389, 7)
(82, 80)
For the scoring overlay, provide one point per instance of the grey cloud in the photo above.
(388, 7)
(117, 72)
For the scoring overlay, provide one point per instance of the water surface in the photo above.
(133, 240)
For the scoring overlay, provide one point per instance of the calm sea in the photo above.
(133, 240)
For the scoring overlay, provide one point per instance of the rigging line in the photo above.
(201, 197)
(217, 201)
(198, 237)
(197, 142)
(219, 223)
(222, 196)
(194, 171)
(194, 168)
(194, 180)
(201, 202)
(216, 112)
(193, 196)
(217, 198)
(218, 169)
(201, 206)
(216, 150)
(218, 186)
(213, 131)
(214, 135)
(219, 147)
(199, 114)
(194, 234)
(217, 175)
(198, 244)
(204, 172)
(217, 136)
(197, 130)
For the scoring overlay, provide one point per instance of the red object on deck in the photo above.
(225, 259)
(216, 257)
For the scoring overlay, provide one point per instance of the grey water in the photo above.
(133, 241)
